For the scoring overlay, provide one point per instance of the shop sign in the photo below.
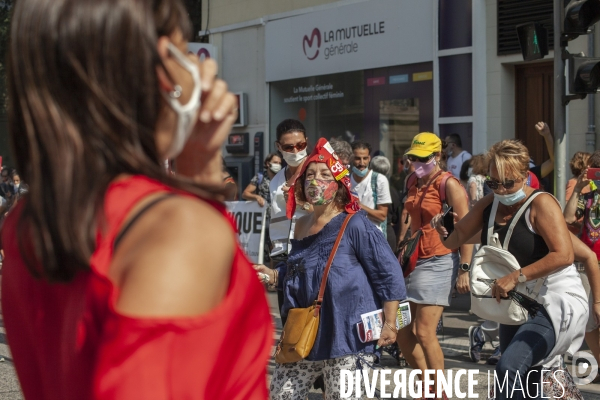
(366, 35)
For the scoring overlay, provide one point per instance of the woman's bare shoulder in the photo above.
(175, 260)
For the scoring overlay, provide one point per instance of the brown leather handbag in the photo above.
(300, 330)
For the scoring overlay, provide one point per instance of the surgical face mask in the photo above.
(423, 169)
(294, 159)
(275, 168)
(187, 114)
(320, 192)
(512, 198)
(360, 173)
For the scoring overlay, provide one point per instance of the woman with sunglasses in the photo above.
(122, 281)
(543, 247)
(430, 285)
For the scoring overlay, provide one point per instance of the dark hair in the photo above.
(464, 169)
(594, 160)
(84, 101)
(289, 125)
(270, 156)
(454, 138)
(361, 144)
(578, 162)
(341, 196)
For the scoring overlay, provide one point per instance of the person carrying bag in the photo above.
(300, 330)
(358, 276)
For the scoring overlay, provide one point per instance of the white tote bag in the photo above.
(493, 261)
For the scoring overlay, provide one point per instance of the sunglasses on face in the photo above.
(494, 184)
(288, 148)
(420, 159)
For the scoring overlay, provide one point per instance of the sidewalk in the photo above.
(455, 345)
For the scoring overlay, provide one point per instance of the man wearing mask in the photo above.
(456, 155)
(372, 189)
(291, 143)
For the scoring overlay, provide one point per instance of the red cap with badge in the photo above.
(323, 153)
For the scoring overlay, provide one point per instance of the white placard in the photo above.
(372, 34)
(249, 218)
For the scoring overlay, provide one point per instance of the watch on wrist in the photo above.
(522, 278)
(306, 206)
(466, 267)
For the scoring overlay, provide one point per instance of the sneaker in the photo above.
(493, 360)
(476, 342)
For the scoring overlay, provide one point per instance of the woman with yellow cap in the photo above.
(429, 285)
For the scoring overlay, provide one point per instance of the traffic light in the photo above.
(533, 39)
(580, 15)
(584, 74)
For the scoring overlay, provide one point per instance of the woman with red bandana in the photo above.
(363, 277)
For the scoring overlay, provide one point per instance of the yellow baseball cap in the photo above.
(424, 144)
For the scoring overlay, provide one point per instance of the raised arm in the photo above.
(544, 131)
(570, 212)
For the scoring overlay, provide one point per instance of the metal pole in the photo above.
(590, 137)
(560, 143)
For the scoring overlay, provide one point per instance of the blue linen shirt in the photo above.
(363, 275)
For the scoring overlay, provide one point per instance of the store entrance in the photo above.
(534, 102)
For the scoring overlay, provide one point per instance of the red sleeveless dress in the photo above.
(69, 342)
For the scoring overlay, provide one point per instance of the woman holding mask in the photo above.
(363, 277)
(104, 250)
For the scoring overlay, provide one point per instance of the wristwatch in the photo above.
(522, 278)
(306, 206)
(465, 267)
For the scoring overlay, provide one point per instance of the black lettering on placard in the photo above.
(247, 223)
(257, 222)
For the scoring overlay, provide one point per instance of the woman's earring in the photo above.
(176, 92)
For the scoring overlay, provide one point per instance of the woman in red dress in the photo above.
(120, 281)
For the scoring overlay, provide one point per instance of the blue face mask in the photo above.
(360, 173)
(510, 199)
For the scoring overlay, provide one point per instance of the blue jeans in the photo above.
(523, 346)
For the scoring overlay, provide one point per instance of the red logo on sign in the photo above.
(315, 33)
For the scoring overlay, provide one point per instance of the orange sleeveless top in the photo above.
(69, 342)
(430, 244)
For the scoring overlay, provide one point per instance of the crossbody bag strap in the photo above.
(319, 300)
(522, 209)
(423, 196)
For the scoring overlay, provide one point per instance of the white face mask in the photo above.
(294, 159)
(187, 115)
(275, 168)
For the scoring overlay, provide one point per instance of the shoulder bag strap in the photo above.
(423, 196)
(511, 228)
(490, 230)
(319, 300)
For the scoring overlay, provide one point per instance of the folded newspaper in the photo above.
(372, 322)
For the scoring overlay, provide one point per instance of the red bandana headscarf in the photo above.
(323, 153)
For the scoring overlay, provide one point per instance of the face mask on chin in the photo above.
(187, 114)
(360, 173)
(512, 198)
(294, 159)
